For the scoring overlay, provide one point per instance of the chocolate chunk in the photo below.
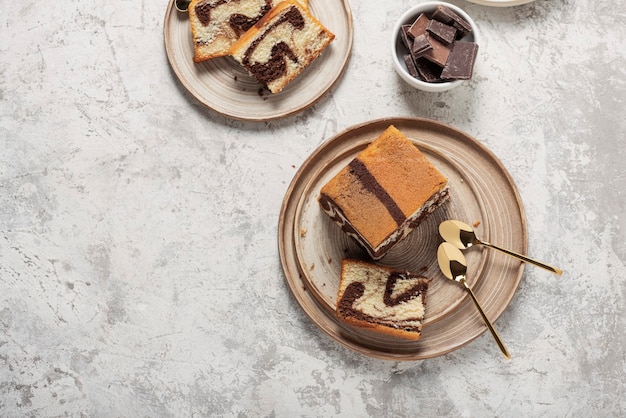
(447, 16)
(439, 53)
(407, 38)
(419, 26)
(428, 71)
(410, 65)
(430, 40)
(460, 64)
(443, 14)
(441, 31)
(421, 45)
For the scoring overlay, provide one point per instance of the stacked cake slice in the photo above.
(384, 193)
(281, 45)
(273, 40)
(217, 24)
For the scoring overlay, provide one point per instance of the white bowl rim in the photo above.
(413, 12)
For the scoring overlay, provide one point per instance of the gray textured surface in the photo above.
(139, 270)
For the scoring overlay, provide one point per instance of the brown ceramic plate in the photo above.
(311, 246)
(224, 86)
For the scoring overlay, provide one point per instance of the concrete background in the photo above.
(139, 269)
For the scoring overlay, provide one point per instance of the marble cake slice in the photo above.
(382, 299)
(384, 193)
(217, 24)
(281, 45)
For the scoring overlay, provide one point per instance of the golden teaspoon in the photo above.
(453, 265)
(461, 235)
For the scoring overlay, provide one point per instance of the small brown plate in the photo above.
(224, 86)
(482, 192)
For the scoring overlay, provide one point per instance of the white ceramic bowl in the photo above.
(398, 49)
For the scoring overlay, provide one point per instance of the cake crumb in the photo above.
(312, 267)
(330, 261)
(476, 223)
(303, 232)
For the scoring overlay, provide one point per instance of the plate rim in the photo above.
(503, 3)
(295, 278)
(171, 11)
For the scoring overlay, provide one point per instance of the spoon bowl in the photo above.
(453, 265)
(182, 5)
(462, 236)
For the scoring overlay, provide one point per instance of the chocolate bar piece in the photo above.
(419, 26)
(439, 53)
(443, 14)
(407, 38)
(410, 65)
(428, 71)
(447, 16)
(420, 46)
(460, 64)
(441, 31)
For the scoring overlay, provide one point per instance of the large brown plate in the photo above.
(224, 86)
(311, 246)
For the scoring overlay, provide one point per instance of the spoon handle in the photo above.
(554, 270)
(493, 331)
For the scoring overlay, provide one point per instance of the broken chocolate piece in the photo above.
(443, 14)
(407, 38)
(419, 26)
(447, 16)
(428, 71)
(441, 31)
(439, 53)
(460, 64)
(420, 46)
(430, 40)
(410, 65)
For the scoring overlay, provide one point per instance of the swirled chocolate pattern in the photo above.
(382, 299)
(217, 24)
(278, 48)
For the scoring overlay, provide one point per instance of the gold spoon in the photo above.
(182, 5)
(461, 235)
(453, 265)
